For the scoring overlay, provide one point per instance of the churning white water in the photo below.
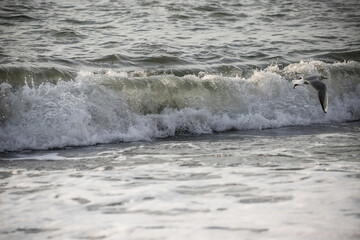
(102, 108)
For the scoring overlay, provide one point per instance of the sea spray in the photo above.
(110, 106)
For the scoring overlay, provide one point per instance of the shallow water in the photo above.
(294, 182)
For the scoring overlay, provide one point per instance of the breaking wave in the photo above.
(119, 106)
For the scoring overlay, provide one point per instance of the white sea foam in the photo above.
(100, 108)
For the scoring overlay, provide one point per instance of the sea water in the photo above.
(173, 120)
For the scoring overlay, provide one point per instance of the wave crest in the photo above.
(110, 106)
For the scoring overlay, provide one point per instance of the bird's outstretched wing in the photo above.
(322, 93)
(311, 77)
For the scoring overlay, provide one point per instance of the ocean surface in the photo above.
(178, 120)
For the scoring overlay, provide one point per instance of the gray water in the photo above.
(52, 39)
(288, 183)
(178, 119)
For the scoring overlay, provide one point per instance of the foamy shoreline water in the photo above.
(295, 182)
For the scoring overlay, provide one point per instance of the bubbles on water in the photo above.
(119, 106)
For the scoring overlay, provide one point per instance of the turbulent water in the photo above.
(142, 95)
(111, 106)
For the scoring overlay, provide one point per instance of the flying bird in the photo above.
(315, 82)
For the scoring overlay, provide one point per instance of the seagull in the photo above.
(315, 81)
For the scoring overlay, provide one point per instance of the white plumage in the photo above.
(315, 82)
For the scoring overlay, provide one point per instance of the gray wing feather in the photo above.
(322, 93)
(311, 77)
